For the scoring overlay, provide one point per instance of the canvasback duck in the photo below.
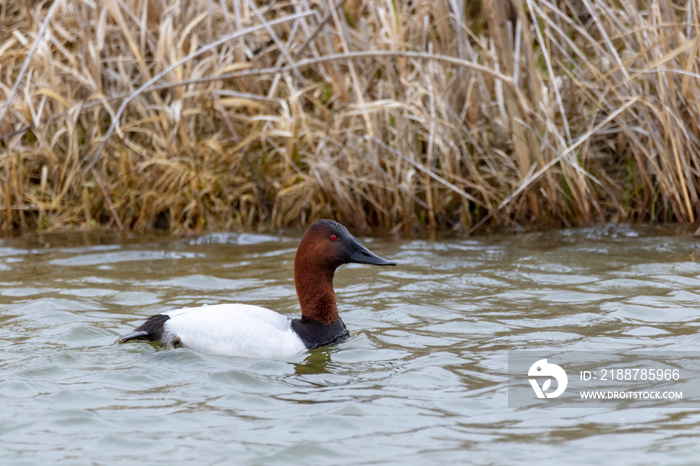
(253, 331)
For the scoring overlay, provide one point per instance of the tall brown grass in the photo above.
(201, 115)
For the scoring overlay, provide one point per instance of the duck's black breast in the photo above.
(315, 335)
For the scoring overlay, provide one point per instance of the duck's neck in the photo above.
(314, 285)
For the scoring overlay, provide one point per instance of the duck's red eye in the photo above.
(333, 237)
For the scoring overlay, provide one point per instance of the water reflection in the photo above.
(315, 362)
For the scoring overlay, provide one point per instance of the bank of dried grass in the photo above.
(398, 115)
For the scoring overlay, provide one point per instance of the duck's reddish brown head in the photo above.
(326, 245)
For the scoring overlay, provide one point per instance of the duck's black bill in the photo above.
(361, 255)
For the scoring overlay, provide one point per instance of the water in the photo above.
(422, 380)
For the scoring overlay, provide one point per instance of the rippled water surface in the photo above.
(422, 380)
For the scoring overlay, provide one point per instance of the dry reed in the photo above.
(204, 115)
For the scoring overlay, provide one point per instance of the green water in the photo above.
(422, 380)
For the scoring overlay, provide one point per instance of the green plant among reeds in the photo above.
(206, 115)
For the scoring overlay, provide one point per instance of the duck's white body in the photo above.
(233, 329)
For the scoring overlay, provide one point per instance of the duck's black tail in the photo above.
(151, 330)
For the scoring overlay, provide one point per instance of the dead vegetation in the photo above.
(206, 115)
